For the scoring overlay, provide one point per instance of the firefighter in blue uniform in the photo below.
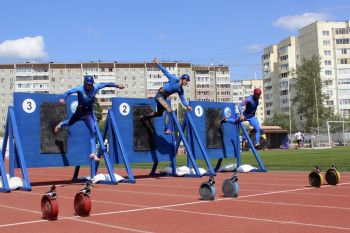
(175, 85)
(84, 112)
(251, 104)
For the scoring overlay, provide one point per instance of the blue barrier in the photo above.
(197, 128)
(227, 147)
(25, 145)
(121, 129)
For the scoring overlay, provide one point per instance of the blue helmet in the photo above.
(88, 79)
(185, 76)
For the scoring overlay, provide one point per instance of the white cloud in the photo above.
(23, 48)
(295, 22)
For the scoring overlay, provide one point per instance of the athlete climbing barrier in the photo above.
(32, 143)
(211, 139)
(133, 140)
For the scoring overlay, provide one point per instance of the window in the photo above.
(283, 58)
(341, 31)
(284, 92)
(284, 75)
(344, 92)
(328, 72)
(344, 81)
(344, 61)
(327, 62)
(283, 49)
(345, 51)
(344, 71)
(330, 102)
(283, 66)
(344, 101)
(326, 43)
(327, 52)
(266, 56)
(342, 41)
(325, 33)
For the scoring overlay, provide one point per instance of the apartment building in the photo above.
(212, 83)
(279, 62)
(241, 89)
(141, 80)
(331, 42)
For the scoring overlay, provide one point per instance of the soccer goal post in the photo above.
(338, 133)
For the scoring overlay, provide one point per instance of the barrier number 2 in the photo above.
(124, 109)
(29, 105)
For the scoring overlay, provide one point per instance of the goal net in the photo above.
(338, 133)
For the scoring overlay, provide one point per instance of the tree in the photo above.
(98, 110)
(280, 119)
(310, 99)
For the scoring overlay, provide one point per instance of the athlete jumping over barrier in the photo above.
(85, 109)
(251, 103)
(175, 85)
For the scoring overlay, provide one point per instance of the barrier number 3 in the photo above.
(124, 109)
(29, 105)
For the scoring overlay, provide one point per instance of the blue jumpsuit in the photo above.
(251, 105)
(171, 87)
(85, 109)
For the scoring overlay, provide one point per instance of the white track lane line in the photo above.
(166, 207)
(262, 220)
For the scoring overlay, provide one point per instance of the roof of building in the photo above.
(272, 129)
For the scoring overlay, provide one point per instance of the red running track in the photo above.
(268, 202)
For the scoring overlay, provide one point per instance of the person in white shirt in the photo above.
(299, 137)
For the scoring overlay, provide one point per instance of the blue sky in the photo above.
(205, 32)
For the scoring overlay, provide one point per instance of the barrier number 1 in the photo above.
(29, 105)
(198, 111)
(124, 109)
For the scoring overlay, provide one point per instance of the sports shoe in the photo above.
(168, 131)
(93, 156)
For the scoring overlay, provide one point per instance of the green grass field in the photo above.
(283, 160)
(302, 160)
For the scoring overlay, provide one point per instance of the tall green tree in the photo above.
(310, 99)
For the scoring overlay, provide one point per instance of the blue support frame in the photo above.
(193, 131)
(251, 145)
(5, 182)
(115, 142)
(15, 150)
(182, 137)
